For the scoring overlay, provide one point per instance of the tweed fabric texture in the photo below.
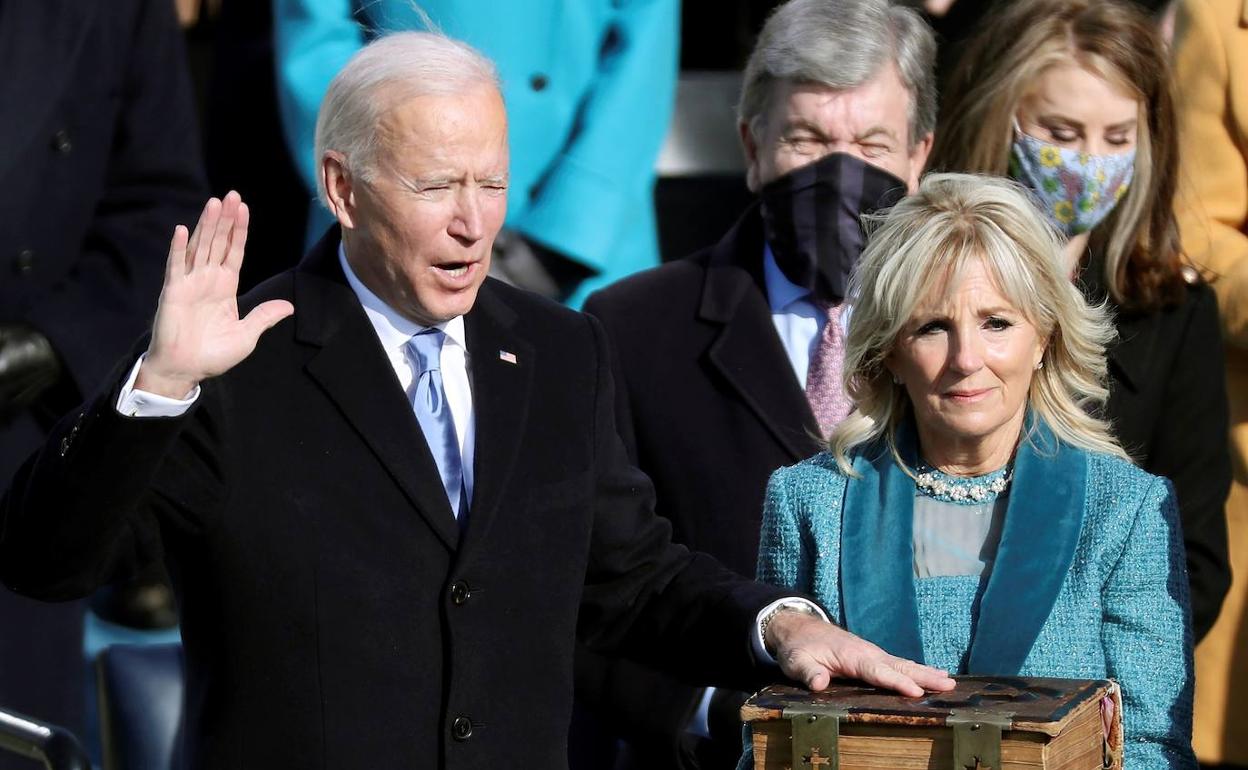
(1121, 613)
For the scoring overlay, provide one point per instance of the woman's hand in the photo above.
(197, 333)
(814, 652)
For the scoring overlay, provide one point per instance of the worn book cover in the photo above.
(986, 723)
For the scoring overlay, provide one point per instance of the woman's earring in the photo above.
(1039, 364)
(896, 380)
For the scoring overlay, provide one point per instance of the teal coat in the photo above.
(589, 87)
(1089, 580)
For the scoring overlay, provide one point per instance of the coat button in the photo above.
(25, 262)
(539, 82)
(460, 593)
(61, 142)
(461, 728)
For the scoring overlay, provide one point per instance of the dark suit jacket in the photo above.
(708, 406)
(98, 160)
(1168, 407)
(332, 613)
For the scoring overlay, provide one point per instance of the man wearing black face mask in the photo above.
(728, 361)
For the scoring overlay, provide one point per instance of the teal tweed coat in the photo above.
(1089, 580)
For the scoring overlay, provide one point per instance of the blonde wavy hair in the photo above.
(922, 245)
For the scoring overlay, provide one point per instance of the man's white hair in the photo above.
(383, 75)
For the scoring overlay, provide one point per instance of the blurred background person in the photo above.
(1211, 74)
(100, 155)
(956, 21)
(589, 87)
(727, 361)
(1072, 98)
(973, 513)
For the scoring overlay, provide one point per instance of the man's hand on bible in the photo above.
(814, 652)
(197, 333)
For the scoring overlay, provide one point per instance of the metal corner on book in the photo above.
(816, 735)
(977, 738)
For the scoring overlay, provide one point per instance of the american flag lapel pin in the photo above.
(509, 357)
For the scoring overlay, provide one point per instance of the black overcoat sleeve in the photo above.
(645, 596)
(91, 505)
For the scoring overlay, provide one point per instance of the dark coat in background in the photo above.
(1168, 408)
(330, 605)
(99, 159)
(708, 405)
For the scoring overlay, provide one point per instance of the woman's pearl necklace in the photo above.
(949, 488)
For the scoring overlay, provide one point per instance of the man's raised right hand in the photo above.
(197, 333)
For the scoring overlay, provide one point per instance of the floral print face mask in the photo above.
(1077, 190)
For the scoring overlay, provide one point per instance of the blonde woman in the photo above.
(1073, 99)
(972, 514)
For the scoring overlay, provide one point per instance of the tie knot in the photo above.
(426, 350)
(828, 309)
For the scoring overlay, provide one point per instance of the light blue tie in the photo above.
(434, 415)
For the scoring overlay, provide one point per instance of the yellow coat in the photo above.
(1211, 72)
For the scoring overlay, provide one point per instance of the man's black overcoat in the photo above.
(708, 406)
(333, 614)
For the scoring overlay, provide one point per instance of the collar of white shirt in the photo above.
(393, 329)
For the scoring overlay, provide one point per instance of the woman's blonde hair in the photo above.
(921, 245)
(1143, 266)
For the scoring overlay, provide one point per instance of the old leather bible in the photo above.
(986, 723)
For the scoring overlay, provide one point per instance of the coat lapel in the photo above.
(354, 372)
(500, 395)
(748, 353)
(1042, 523)
(877, 555)
(44, 38)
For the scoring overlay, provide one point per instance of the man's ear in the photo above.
(918, 161)
(339, 188)
(750, 146)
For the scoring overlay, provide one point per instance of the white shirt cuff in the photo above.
(760, 649)
(140, 403)
(700, 723)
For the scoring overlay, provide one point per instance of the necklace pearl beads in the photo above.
(954, 489)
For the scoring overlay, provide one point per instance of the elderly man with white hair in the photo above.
(389, 517)
(729, 361)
